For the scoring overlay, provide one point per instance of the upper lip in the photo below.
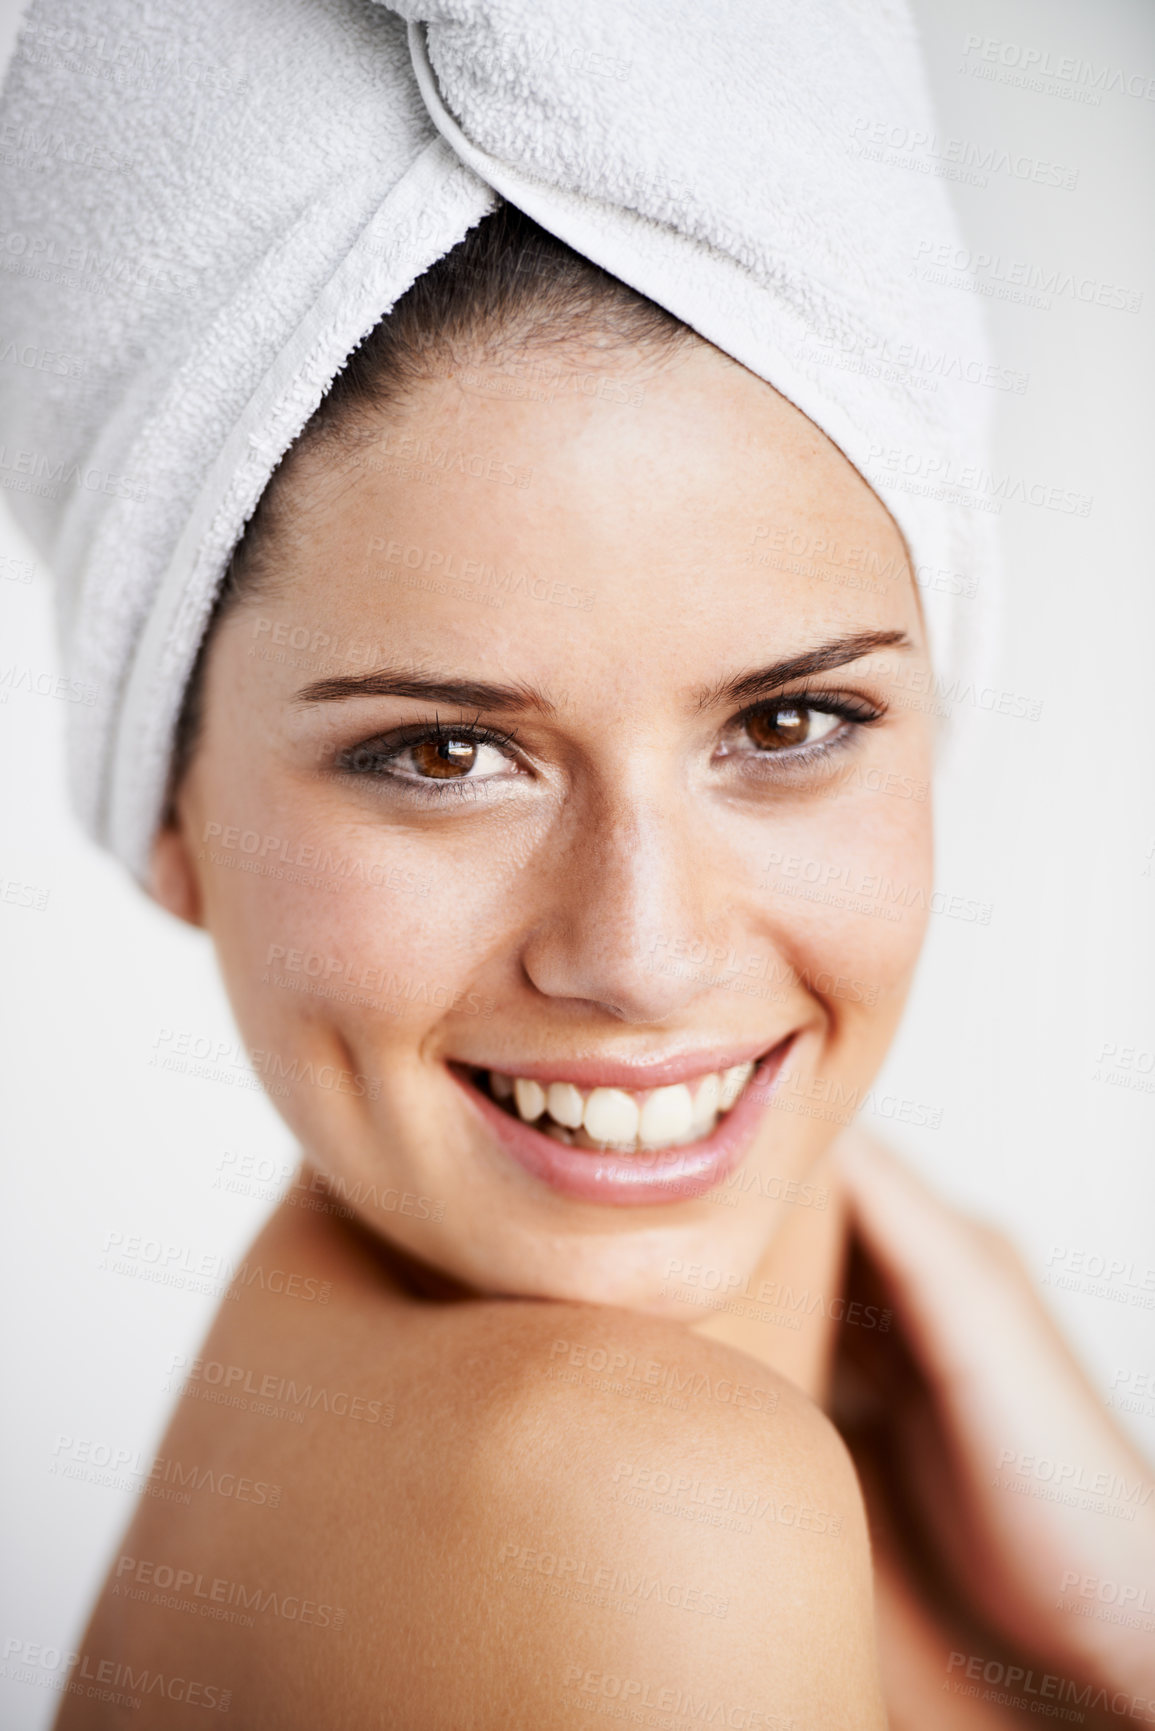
(633, 1076)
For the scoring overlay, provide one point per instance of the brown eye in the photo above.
(434, 757)
(784, 725)
(444, 759)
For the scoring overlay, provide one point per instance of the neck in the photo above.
(807, 1254)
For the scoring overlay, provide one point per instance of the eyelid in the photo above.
(394, 742)
(850, 704)
(856, 710)
(477, 732)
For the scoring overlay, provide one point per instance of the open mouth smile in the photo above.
(612, 1118)
(624, 1145)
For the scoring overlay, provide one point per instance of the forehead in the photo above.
(629, 514)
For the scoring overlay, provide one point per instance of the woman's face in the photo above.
(573, 743)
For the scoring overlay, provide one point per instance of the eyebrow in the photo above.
(396, 682)
(522, 697)
(762, 681)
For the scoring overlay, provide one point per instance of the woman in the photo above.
(497, 656)
(563, 1222)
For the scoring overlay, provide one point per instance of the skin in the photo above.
(625, 843)
(633, 821)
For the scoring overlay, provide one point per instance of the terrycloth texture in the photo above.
(204, 207)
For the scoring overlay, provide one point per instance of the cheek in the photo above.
(348, 929)
(849, 893)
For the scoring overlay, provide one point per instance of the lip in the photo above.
(633, 1180)
(602, 1073)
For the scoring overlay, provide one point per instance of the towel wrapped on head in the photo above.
(206, 208)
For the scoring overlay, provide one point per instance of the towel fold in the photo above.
(204, 208)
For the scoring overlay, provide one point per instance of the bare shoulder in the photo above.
(488, 1514)
(668, 1525)
(604, 1379)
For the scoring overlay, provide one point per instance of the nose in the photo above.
(630, 885)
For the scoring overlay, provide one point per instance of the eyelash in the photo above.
(474, 732)
(857, 712)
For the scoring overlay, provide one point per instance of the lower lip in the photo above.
(635, 1180)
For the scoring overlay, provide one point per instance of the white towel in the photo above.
(204, 207)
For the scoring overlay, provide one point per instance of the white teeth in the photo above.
(706, 1104)
(733, 1082)
(530, 1097)
(564, 1104)
(611, 1116)
(666, 1117)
